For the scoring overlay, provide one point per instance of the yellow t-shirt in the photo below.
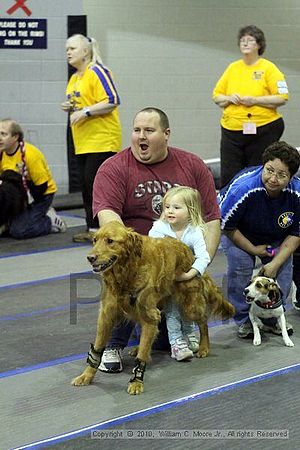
(260, 79)
(38, 171)
(95, 134)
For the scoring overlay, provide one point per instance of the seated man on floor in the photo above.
(39, 217)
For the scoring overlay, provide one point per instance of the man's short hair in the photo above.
(163, 118)
(14, 128)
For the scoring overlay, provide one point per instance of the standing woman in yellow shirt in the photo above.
(249, 92)
(92, 101)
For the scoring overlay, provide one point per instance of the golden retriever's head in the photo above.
(262, 289)
(114, 243)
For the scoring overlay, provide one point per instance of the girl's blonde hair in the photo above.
(92, 45)
(191, 198)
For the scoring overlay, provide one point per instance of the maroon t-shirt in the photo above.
(135, 190)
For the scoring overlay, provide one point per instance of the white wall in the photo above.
(33, 82)
(170, 53)
(164, 53)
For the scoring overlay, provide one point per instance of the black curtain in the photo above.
(76, 24)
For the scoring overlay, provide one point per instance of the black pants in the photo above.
(240, 150)
(122, 332)
(88, 164)
(296, 272)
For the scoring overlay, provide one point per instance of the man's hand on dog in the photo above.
(268, 270)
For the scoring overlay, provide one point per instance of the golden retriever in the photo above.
(139, 275)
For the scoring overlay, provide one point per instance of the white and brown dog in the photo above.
(264, 296)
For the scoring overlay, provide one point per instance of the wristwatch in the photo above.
(87, 111)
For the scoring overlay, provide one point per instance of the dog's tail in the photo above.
(217, 305)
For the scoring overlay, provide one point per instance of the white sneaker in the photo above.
(3, 228)
(111, 361)
(180, 350)
(192, 342)
(58, 225)
(245, 330)
(296, 304)
(275, 329)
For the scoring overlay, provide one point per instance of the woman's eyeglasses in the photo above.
(247, 41)
(281, 176)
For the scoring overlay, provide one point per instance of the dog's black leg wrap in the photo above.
(94, 357)
(138, 371)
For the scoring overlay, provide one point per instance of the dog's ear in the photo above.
(261, 272)
(280, 293)
(275, 290)
(136, 241)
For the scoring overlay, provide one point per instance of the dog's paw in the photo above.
(133, 352)
(202, 353)
(257, 341)
(82, 380)
(289, 343)
(135, 387)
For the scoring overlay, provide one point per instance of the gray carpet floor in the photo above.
(49, 306)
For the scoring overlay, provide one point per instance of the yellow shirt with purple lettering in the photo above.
(101, 133)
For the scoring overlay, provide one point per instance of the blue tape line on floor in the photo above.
(158, 408)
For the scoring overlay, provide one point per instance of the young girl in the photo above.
(181, 218)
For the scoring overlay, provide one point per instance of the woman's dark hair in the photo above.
(256, 33)
(286, 153)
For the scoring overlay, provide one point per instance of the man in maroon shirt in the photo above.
(129, 188)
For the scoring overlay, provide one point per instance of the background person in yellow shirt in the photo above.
(249, 92)
(39, 218)
(92, 101)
